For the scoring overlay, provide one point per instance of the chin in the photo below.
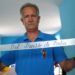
(31, 30)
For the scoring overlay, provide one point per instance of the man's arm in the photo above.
(68, 65)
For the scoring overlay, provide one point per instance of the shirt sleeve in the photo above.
(8, 58)
(59, 54)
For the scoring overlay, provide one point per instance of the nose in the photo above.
(30, 18)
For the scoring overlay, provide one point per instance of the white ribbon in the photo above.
(35, 45)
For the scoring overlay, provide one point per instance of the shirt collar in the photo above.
(40, 36)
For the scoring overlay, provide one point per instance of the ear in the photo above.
(38, 18)
(21, 20)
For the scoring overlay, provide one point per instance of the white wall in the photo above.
(10, 18)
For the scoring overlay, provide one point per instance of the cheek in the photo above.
(36, 20)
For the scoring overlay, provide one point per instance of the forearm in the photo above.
(68, 65)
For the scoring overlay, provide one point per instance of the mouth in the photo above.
(30, 23)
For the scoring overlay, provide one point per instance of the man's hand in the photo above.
(68, 65)
(4, 68)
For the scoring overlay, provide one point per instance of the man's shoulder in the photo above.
(48, 36)
(20, 39)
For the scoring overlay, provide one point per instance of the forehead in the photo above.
(29, 10)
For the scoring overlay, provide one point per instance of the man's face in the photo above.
(30, 19)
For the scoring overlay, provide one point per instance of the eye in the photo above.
(34, 16)
(25, 16)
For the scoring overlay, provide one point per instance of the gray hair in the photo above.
(29, 5)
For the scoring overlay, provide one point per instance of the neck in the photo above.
(32, 35)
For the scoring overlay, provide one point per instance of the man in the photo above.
(35, 61)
